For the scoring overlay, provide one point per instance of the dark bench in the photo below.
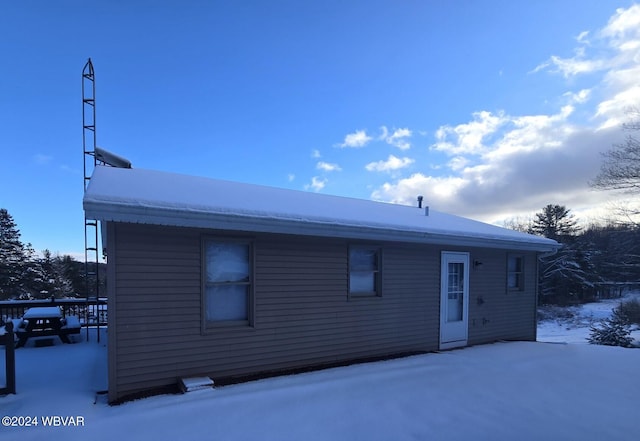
(70, 325)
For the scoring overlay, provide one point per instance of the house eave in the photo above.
(243, 223)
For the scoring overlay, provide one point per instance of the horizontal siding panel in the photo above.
(303, 313)
(145, 285)
(139, 252)
(160, 294)
(151, 270)
(170, 336)
(161, 303)
(307, 278)
(179, 314)
(154, 324)
(504, 314)
(161, 272)
(294, 263)
(266, 360)
(280, 344)
(302, 288)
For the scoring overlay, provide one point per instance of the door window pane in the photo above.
(455, 291)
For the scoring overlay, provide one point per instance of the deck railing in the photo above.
(90, 313)
(7, 340)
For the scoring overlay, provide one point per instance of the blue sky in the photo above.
(490, 109)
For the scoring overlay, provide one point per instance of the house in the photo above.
(225, 279)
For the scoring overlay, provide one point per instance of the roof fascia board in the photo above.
(196, 219)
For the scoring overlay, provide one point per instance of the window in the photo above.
(227, 282)
(364, 271)
(515, 273)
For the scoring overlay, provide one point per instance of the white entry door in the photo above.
(454, 299)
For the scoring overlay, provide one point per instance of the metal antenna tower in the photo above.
(91, 255)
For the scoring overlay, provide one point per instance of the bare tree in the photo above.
(518, 223)
(620, 170)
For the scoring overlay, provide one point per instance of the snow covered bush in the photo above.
(558, 314)
(612, 332)
(628, 312)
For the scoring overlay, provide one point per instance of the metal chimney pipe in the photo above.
(420, 201)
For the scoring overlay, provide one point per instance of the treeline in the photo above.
(595, 261)
(26, 275)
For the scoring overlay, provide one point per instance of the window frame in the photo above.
(518, 274)
(209, 325)
(377, 273)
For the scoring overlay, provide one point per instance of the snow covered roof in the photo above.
(162, 198)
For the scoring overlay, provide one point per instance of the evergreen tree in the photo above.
(555, 222)
(569, 275)
(14, 256)
(62, 286)
(74, 271)
(49, 277)
(611, 332)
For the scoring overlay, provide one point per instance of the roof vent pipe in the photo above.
(420, 201)
(426, 210)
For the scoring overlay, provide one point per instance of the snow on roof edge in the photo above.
(145, 196)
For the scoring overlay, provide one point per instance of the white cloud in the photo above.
(68, 169)
(615, 110)
(328, 167)
(42, 159)
(582, 37)
(522, 164)
(391, 164)
(469, 137)
(624, 94)
(398, 138)
(291, 177)
(458, 163)
(580, 97)
(569, 67)
(436, 190)
(497, 165)
(531, 133)
(617, 43)
(512, 184)
(315, 154)
(623, 26)
(356, 140)
(316, 184)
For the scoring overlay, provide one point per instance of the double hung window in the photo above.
(227, 282)
(515, 272)
(364, 271)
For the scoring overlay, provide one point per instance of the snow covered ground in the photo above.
(502, 391)
(571, 324)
